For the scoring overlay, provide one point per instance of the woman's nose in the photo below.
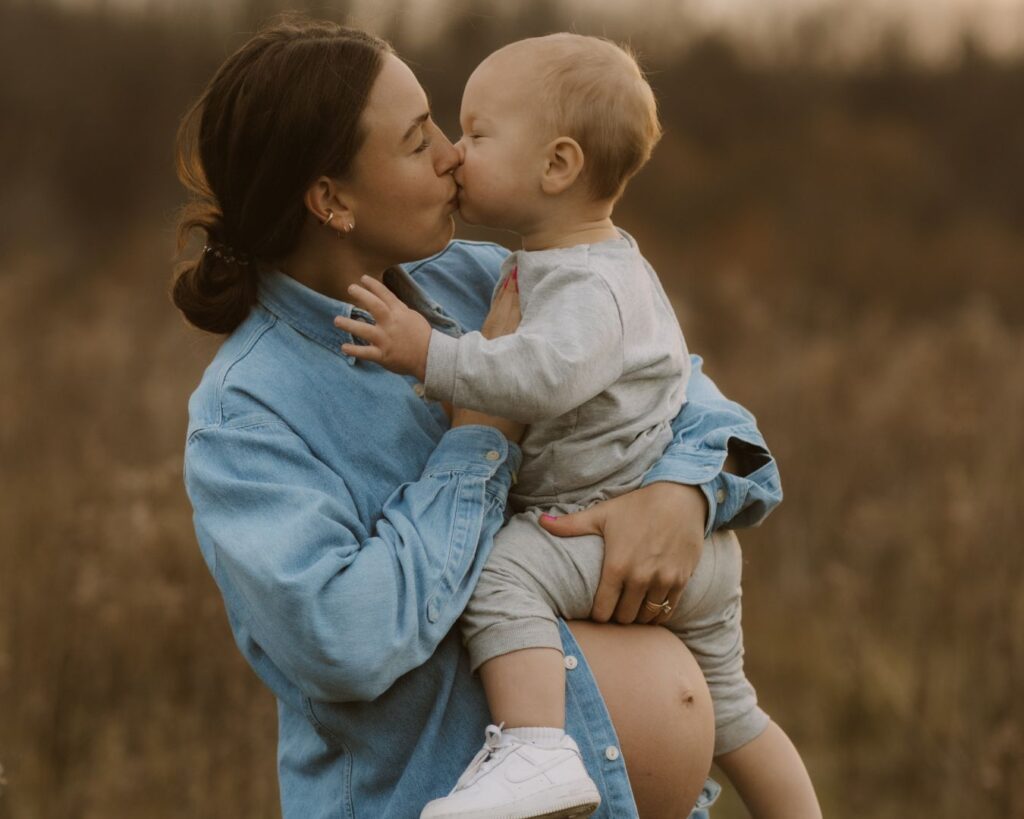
(447, 157)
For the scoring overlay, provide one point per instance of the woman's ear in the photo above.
(329, 204)
(564, 164)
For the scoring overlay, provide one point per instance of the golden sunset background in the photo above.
(837, 209)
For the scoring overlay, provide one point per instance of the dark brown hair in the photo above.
(282, 110)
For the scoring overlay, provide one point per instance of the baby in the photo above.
(553, 128)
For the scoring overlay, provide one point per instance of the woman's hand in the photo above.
(653, 540)
(503, 319)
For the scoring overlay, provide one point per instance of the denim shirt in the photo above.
(346, 524)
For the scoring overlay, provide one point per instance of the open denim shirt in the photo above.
(346, 524)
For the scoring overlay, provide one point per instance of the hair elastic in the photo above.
(225, 253)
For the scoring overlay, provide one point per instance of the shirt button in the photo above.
(493, 455)
(611, 753)
(419, 389)
(432, 612)
(571, 662)
(720, 495)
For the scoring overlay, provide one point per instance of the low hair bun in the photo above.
(216, 290)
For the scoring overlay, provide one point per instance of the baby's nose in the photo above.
(460, 149)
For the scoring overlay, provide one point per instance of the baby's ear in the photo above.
(563, 165)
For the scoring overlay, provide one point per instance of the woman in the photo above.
(345, 518)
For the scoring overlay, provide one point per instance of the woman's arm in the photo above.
(340, 605)
(654, 535)
(708, 429)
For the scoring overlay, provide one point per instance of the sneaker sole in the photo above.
(575, 811)
(566, 813)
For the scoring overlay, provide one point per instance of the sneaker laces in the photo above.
(493, 741)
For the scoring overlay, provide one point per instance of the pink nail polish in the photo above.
(549, 517)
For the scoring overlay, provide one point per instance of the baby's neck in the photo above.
(572, 225)
(582, 234)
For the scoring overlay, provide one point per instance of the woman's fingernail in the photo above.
(549, 517)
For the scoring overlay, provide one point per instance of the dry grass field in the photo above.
(845, 248)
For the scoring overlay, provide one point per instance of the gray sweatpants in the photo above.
(532, 577)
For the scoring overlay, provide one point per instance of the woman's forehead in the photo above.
(396, 98)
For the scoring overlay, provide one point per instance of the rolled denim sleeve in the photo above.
(343, 607)
(706, 429)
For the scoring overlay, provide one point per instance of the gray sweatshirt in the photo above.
(598, 369)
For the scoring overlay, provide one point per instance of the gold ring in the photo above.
(664, 607)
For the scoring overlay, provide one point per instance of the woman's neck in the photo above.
(327, 267)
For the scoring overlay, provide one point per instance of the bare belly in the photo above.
(661, 710)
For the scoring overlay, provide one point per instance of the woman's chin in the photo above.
(441, 240)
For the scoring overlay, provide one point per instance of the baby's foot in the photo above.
(513, 779)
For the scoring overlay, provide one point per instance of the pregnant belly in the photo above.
(661, 710)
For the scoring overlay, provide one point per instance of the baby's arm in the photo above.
(567, 349)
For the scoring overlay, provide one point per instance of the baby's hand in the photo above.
(505, 314)
(399, 339)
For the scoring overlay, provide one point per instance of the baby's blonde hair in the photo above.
(595, 93)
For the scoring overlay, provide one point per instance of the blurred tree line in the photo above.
(885, 171)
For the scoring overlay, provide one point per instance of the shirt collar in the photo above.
(312, 313)
(307, 311)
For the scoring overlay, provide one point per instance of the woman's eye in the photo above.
(423, 146)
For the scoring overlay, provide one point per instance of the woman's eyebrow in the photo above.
(415, 124)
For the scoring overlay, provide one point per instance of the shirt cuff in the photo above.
(714, 492)
(477, 450)
(739, 501)
(439, 380)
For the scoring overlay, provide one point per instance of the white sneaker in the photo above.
(513, 779)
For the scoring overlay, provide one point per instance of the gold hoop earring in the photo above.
(327, 221)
